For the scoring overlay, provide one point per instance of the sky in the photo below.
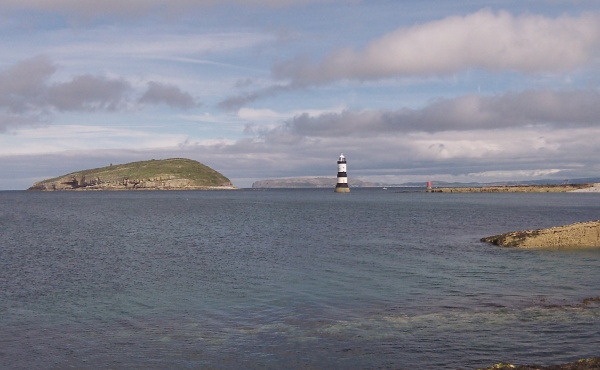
(408, 90)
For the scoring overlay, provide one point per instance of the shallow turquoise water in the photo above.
(290, 279)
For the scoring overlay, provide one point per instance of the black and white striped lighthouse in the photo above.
(342, 177)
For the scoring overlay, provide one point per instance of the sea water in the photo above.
(291, 279)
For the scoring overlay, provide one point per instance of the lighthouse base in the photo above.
(342, 190)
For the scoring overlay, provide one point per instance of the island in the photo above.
(165, 174)
(577, 235)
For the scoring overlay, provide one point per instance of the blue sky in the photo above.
(409, 90)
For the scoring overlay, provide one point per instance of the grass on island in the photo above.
(179, 168)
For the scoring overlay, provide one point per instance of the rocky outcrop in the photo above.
(578, 235)
(595, 188)
(167, 174)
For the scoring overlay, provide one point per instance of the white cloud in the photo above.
(516, 174)
(60, 138)
(252, 114)
(261, 115)
(485, 39)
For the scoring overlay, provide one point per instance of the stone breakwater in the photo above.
(577, 235)
(516, 189)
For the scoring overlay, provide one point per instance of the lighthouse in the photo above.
(342, 178)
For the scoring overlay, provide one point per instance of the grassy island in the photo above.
(166, 174)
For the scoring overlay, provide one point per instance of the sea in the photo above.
(291, 279)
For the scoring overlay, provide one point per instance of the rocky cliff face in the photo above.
(578, 235)
(169, 174)
(97, 183)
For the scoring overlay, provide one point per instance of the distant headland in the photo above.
(308, 182)
(165, 174)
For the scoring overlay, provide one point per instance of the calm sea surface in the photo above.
(290, 279)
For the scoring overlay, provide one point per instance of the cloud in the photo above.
(521, 151)
(170, 95)
(267, 115)
(88, 93)
(565, 108)
(502, 154)
(21, 85)
(28, 97)
(495, 41)
(25, 87)
(12, 120)
(60, 138)
(238, 101)
(533, 133)
(180, 46)
(137, 7)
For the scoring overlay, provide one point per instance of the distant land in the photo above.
(309, 182)
(325, 182)
(165, 174)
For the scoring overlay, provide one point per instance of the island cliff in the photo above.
(166, 174)
(577, 235)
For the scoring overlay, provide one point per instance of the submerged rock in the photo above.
(577, 235)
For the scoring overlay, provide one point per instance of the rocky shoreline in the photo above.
(577, 235)
(595, 188)
(583, 364)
